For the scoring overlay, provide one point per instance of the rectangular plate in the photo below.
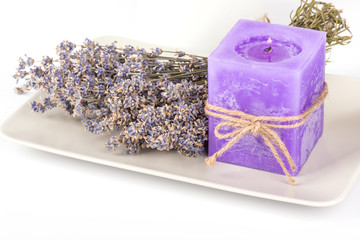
(325, 179)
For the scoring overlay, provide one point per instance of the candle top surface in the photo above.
(268, 45)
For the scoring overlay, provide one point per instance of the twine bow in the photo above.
(259, 125)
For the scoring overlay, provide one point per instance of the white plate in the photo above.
(325, 179)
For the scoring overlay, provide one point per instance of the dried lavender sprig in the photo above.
(112, 89)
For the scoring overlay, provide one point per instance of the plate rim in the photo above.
(340, 196)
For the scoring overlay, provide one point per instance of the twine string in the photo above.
(263, 126)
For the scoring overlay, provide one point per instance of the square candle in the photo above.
(267, 69)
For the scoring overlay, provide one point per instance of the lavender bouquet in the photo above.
(143, 99)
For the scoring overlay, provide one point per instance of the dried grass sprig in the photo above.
(323, 17)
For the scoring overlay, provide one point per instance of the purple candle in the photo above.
(268, 70)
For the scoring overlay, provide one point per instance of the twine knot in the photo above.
(255, 126)
(264, 126)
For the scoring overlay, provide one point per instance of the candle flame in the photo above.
(269, 41)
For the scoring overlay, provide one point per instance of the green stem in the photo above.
(92, 99)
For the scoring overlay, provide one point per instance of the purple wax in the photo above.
(277, 77)
(264, 53)
(266, 50)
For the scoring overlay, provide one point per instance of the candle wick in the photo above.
(267, 50)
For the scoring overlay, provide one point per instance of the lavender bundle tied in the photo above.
(144, 99)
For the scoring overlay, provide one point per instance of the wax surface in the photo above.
(265, 49)
(285, 87)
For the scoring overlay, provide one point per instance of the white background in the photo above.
(46, 196)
